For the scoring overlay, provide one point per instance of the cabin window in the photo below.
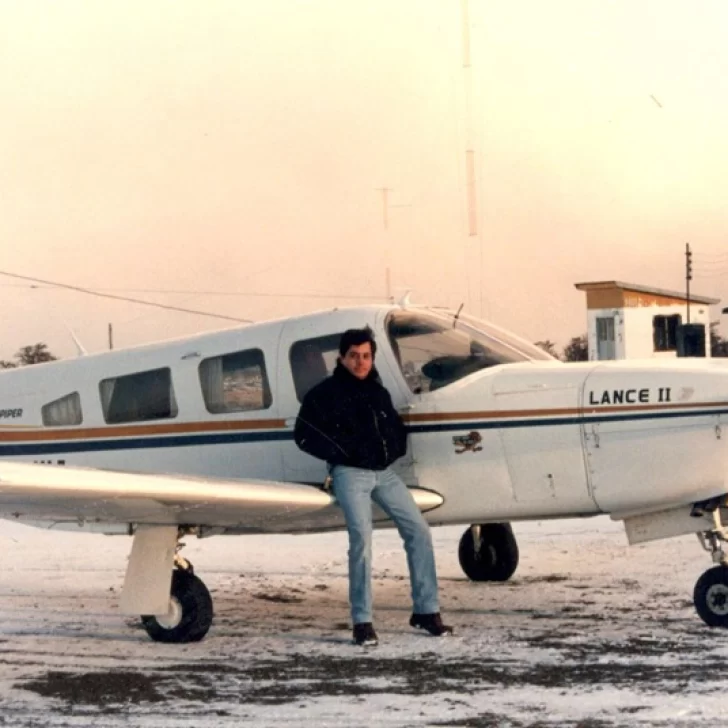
(664, 332)
(63, 411)
(138, 397)
(236, 382)
(433, 351)
(312, 360)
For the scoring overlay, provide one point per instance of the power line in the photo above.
(90, 292)
(176, 291)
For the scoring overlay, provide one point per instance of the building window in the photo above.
(664, 332)
(235, 382)
(63, 411)
(137, 397)
(313, 360)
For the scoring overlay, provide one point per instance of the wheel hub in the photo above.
(173, 616)
(717, 599)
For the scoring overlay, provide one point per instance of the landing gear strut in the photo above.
(488, 552)
(710, 595)
(190, 608)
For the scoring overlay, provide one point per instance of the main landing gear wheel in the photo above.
(488, 552)
(190, 611)
(711, 597)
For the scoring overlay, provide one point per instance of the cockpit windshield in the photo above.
(436, 350)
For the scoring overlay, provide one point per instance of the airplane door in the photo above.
(542, 439)
(307, 353)
(639, 424)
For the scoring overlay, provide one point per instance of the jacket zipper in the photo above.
(379, 432)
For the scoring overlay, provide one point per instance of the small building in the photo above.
(628, 321)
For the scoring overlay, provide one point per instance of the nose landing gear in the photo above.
(488, 552)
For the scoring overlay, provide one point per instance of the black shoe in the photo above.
(364, 635)
(432, 623)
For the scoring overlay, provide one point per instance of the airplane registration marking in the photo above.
(630, 396)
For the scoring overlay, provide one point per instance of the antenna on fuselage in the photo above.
(457, 315)
(79, 346)
(405, 300)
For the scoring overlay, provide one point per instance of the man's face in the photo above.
(359, 360)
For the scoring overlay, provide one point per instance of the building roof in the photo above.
(648, 295)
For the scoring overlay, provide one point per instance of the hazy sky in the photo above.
(238, 146)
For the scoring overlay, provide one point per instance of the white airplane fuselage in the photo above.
(512, 441)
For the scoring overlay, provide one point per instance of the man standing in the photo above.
(349, 421)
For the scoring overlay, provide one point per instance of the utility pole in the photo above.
(111, 337)
(385, 205)
(688, 275)
(470, 152)
(387, 254)
(472, 199)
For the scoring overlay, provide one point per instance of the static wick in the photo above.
(655, 100)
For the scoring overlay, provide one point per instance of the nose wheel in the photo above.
(711, 597)
(488, 552)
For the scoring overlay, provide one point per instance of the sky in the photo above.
(235, 153)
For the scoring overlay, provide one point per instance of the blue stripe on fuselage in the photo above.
(556, 421)
(223, 438)
(136, 443)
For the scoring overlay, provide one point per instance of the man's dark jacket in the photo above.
(345, 420)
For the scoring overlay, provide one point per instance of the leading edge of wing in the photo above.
(66, 493)
(62, 492)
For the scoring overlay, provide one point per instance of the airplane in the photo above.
(195, 437)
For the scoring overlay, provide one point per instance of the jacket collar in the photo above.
(344, 375)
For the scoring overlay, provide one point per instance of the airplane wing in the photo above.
(62, 495)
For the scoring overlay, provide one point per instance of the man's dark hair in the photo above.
(357, 337)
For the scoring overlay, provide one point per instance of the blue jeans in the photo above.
(355, 489)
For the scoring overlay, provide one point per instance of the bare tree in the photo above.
(26, 355)
(549, 347)
(34, 354)
(718, 345)
(577, 349)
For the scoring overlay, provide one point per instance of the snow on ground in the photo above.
(589, 632)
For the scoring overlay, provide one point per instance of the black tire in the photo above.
(711, 597)
(193, 604)
(497, 557)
